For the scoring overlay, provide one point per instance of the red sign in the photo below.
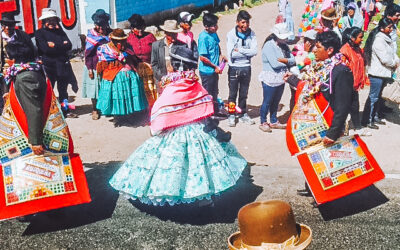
(26, 7)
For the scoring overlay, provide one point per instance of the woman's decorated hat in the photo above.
(330, 14)
(269, 225)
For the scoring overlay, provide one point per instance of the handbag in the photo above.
(392, 92)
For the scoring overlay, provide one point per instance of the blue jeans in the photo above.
(272, 97)
(372, 104)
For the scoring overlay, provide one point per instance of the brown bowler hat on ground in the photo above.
(269, 225)
(330, 14)
(118, 34)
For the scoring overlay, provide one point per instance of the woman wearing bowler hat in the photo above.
(188, 158)
(141, 42)
(96, 37)
(10, 34)
(121, 89)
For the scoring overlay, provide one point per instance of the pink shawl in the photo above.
(183, 101)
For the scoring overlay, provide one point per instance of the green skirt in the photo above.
(124, 95)
(90, 87)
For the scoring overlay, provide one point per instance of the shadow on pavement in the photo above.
(137, 119)
(225, 209)
(360, 201)
(103, 203)
(393, 116)
(83, 109)
(253, 111)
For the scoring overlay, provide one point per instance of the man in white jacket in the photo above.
(241, 47)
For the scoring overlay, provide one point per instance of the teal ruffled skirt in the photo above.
(181, 165)
(90, 87)
(124, 95)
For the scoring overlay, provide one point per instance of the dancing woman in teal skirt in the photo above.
(188, 158)
(121, 90)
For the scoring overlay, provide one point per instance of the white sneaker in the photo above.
(246, 119)
(361, 132)
(364, 132)
(232, 120)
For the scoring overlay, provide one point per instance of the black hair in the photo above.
(137, 21)
(391, 10)
(209, 20)
(350, 33)
(284, 47)
(329, 39)
(243, 15)
(20, 52)
(383, 23)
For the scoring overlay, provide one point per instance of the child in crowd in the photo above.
(241, 47)
(210, 58)
(185, 22)
(352, 39)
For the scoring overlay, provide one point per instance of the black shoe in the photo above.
(211, 124)
(304, 193)
(372, 126)
(379, 121)
(220, 115)
(223, 136)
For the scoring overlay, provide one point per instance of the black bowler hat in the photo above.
(8, 17)
(101, 18)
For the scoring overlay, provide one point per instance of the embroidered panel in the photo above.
(339, 163)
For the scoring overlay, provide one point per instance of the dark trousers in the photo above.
(355, 110)
(30, 89)
(210, 83)
(239, 81)
(62, 82)
(292, 99)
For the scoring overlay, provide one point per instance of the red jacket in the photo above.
(356, 63)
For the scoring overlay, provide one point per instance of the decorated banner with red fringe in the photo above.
(339, 170)
(33, 183)
(331, 172)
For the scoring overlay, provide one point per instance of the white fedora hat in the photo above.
(48, 13)
(281, 31)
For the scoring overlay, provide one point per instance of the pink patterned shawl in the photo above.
(183, 101)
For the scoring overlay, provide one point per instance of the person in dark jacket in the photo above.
(10, 34)
(338, 90)
(53, 45)
(29, 85)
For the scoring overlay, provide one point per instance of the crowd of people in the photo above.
(189, 157)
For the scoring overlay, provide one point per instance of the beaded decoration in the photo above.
(178, 75)
(319, 76)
